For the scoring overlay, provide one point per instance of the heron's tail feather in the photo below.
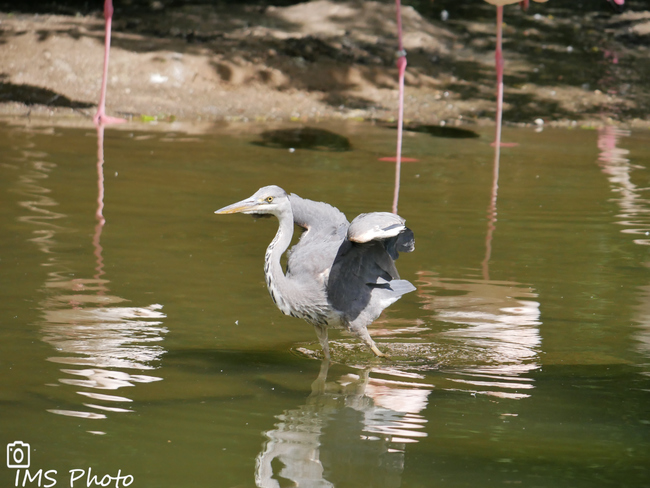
(402, 287)
(396, 287)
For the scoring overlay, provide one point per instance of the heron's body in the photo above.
(339, 274)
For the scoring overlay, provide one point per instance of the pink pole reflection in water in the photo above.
(610, 154)
(101, 120)
(97, 340)
(499, 62)
(634, 212)
(99, 214)
(491, 213)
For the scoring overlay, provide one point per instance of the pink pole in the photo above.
(101, 117)
(401, 66)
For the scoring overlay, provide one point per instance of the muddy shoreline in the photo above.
(566, 65)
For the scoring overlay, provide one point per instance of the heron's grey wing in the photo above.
(364, 280)
(325, 229)
(318, 216)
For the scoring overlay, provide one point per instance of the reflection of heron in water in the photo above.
(357, 425)
(340, 274)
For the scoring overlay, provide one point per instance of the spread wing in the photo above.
(363, 279)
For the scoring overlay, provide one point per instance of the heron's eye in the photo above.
(269, 199)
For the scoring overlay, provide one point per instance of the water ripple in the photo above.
(81, 319)
(614, 162)
(494, 340)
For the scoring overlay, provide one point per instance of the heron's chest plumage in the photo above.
(316, 313)
(310, 304)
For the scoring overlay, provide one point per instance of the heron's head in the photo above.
(268, 200)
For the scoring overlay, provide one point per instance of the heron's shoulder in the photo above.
(375, 226)
(308, 213)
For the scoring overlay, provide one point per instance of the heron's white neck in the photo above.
(276, 281)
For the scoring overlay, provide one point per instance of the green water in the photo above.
(146, 346)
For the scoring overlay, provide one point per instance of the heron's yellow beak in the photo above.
(244, 206)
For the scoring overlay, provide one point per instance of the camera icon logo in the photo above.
(18, 455)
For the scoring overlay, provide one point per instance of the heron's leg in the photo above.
(377, 352)
(365, 337)
(321, 332)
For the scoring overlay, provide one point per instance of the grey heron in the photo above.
(339, 274)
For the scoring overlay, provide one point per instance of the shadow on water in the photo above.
(439, 131)
(98, 340)
(232, 361)
(309, 138)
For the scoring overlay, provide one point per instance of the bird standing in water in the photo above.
(339, 274)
